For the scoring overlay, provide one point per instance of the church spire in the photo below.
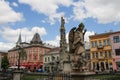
(19, 40)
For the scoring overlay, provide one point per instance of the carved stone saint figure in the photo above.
(79, 39)
(76, 39)
(71, 40)
(76, 46)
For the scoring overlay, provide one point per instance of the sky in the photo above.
(43, 16)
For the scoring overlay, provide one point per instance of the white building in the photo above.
(51, 60)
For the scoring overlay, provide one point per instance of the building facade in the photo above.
(101, 52)
(33, 53)
(51, 60)
(115, 40)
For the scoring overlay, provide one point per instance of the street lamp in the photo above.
(19, 52)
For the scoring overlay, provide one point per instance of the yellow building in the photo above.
(100, 52)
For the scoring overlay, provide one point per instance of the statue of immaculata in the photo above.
(77, 48)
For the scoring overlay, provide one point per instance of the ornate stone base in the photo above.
(67, 67)
(17, 74)
(82, 73)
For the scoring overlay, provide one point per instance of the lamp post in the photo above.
(19, 52)
(17, 73)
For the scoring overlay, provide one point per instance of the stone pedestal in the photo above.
(67, 67)
(17, 74)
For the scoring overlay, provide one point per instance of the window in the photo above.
(100, 43)
(109, 53)
(30, 56)
(108, 42)
(118, 65)
(53, 58)
(116, 39)
(117, 51)
(96, 55)
(105, 43)
(45, 59)
(35, 57)
(48, 58)
(105, 54)
(107, 67)
(93, 55)
(93, 65)
(93, 45)
(96, 43)
(41, 51)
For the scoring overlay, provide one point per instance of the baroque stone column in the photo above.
(64, 57)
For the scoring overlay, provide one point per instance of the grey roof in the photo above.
(106, 33)
(55, 50)
(23, 44)
(36, 39)
(48, 45)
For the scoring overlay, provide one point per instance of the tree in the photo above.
(5, 62)
(23, 54)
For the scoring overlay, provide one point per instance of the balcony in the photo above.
(100, 47)
(101, 58)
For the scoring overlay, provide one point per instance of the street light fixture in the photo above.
(19, 52)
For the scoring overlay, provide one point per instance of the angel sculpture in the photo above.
(76, 46)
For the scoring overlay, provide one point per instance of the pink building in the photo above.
(33, 59)
(115, 40)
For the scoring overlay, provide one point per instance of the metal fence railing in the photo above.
(47, 76)
(58, 76)
(68, 76)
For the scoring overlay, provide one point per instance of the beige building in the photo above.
(51, 60)
(100, 52)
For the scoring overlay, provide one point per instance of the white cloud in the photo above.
(7, 14)
(15, 4)
(79, 11)
(54, 42)
(105, 11)
(6, 46)
(48, 7)
(25, 33)
(87, 34)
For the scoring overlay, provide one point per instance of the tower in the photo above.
(19, 40)
(36, 39)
